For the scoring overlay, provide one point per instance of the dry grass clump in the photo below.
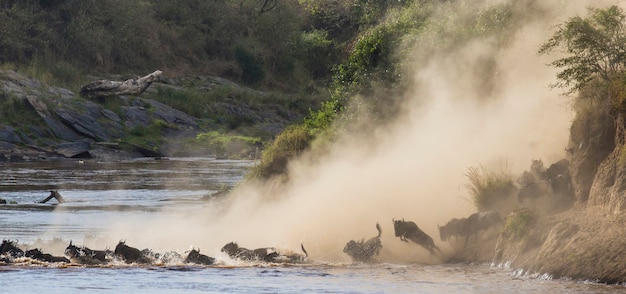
(489, 186)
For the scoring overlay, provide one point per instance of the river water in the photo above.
(98, 193)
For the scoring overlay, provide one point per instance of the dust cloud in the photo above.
(412, 169)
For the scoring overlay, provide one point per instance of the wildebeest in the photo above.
(267, 254)
(260, 254)
(292, 257)
(560, 181)
(85, 255)
(9, 248)
(170, 257)
(532, 183)
(130, 254)
(54, 194)
(532, 191)
(38, 255)
(469, 226)
(364, 250)
(558, 168)
(408, 230)
(540, 181)
(450, 229)
(196, 257)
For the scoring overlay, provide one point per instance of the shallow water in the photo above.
(98, 193)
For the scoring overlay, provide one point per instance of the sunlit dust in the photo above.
(412, 169)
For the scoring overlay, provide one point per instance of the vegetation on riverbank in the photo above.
(313, 69)
(267, 46)
(584, 241)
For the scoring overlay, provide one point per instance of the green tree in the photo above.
(595, 48)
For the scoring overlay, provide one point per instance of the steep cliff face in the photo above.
(587, 241)
(608, 189)
(594, 155)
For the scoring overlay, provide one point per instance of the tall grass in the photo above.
(16, 111)
(487, 186)
(224, 145)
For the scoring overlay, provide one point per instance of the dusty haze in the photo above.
(413, 169)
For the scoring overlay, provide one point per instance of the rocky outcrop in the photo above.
(58, 117)
(69, 125)
(78, 149)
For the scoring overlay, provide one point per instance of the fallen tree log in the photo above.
(106, 88)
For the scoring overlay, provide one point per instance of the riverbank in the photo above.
(177, 116)
(580, 243)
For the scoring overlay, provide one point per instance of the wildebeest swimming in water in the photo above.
(408, 230)
(54, 194)
(9, 249)
(131, 254)
(38, 255)
(260, 254)
(85, 255)
(267, 254)
(469, 226)
(292, 257)
(364, 250)
(196, 257)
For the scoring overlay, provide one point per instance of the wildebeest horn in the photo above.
(393, 219)
(304, 250)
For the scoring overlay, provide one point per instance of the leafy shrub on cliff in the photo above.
(518, 222)
(287, 145)
(488, 186)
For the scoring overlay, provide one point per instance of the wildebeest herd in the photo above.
(359, 251)
(366, 251)
(10, 252)
(540, 181)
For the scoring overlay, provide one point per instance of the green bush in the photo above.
(518, 222)
(317, 43)
(287, 145)
(251, 66)
(149, 137)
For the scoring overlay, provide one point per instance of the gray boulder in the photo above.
(78, 149)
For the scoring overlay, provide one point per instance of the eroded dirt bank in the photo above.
(580, 243)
